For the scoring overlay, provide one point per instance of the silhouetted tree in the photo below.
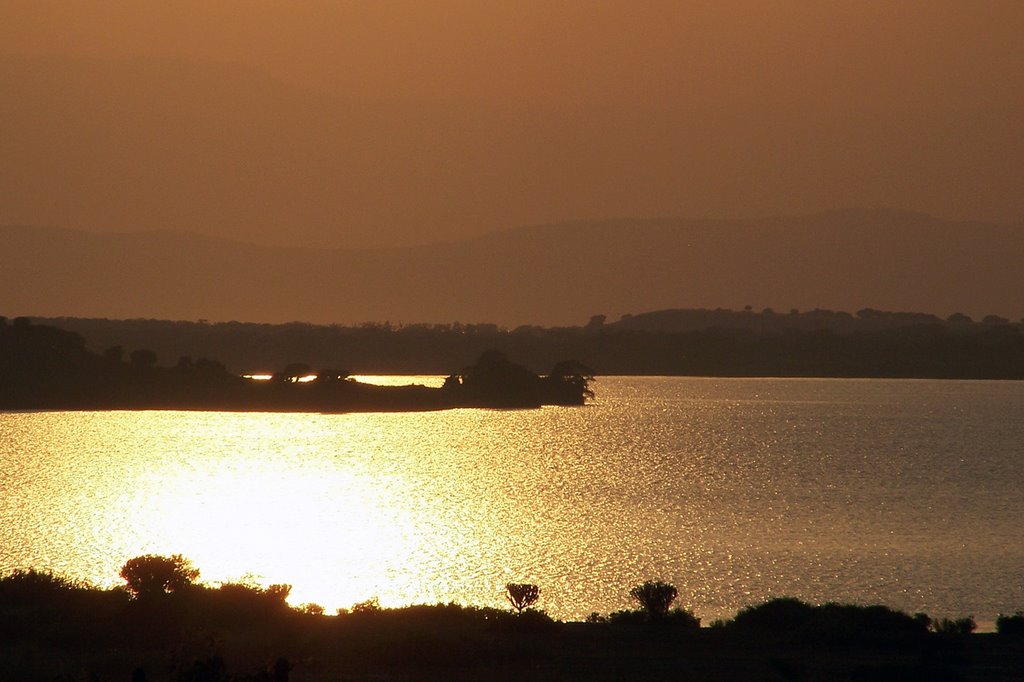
(954, 628)
(496, 381)
(573, 381)
(655, 597)
(152, 575)
(522, 595)
(1010, 625)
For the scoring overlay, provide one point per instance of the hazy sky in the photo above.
(447, 119)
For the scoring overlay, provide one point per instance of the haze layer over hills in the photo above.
(132, 143)
(546, 275)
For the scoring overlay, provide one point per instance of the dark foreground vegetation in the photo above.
(822, 343)
(43, 367)
(162, 625)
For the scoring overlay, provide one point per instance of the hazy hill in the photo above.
(549, 275)
(128, 144)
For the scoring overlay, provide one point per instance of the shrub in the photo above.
(521, 595)
(923, 620)
(627, 617)
(278, 592)
(368, 606)
(32, 586)
(655, 597)
(960, 626)
(775, 615)
(680, 617)
(241, 601)
(787, 617)
(152, 575)
(533, 619)
(1010, 625)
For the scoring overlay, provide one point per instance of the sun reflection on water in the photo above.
(277, 503)
(859, 496)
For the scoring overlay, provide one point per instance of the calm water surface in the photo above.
(908, 493)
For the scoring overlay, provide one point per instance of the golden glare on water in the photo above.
(309, 500)
(431, 380)
(323, 519)
(876, 492)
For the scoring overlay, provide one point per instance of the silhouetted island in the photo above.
(42, 367)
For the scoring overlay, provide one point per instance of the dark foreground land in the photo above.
(54, 629)
(456, 643)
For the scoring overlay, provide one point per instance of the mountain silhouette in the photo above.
(546, 275)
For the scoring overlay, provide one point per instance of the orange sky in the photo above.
(576, 53)
(447, 119)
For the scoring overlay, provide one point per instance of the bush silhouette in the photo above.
(960, 626)
(783, 614)
(371, 605)
(1010, 625)
(627, 617)
(152, 575)
(682, 618)
(521, 595)
(787, 617)
(245, 601)
(34, 587)
(655, 597)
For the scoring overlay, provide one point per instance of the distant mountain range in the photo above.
(548, 275)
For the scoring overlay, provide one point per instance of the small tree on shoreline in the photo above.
(153, 575)
(521, 595)
(655, 597)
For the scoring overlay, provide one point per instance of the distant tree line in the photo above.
(43, 367)
(869, 343)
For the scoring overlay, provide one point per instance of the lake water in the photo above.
(907, 493)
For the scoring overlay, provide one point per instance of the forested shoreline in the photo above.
(46, 368)
(153, 364)
(816, 343)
